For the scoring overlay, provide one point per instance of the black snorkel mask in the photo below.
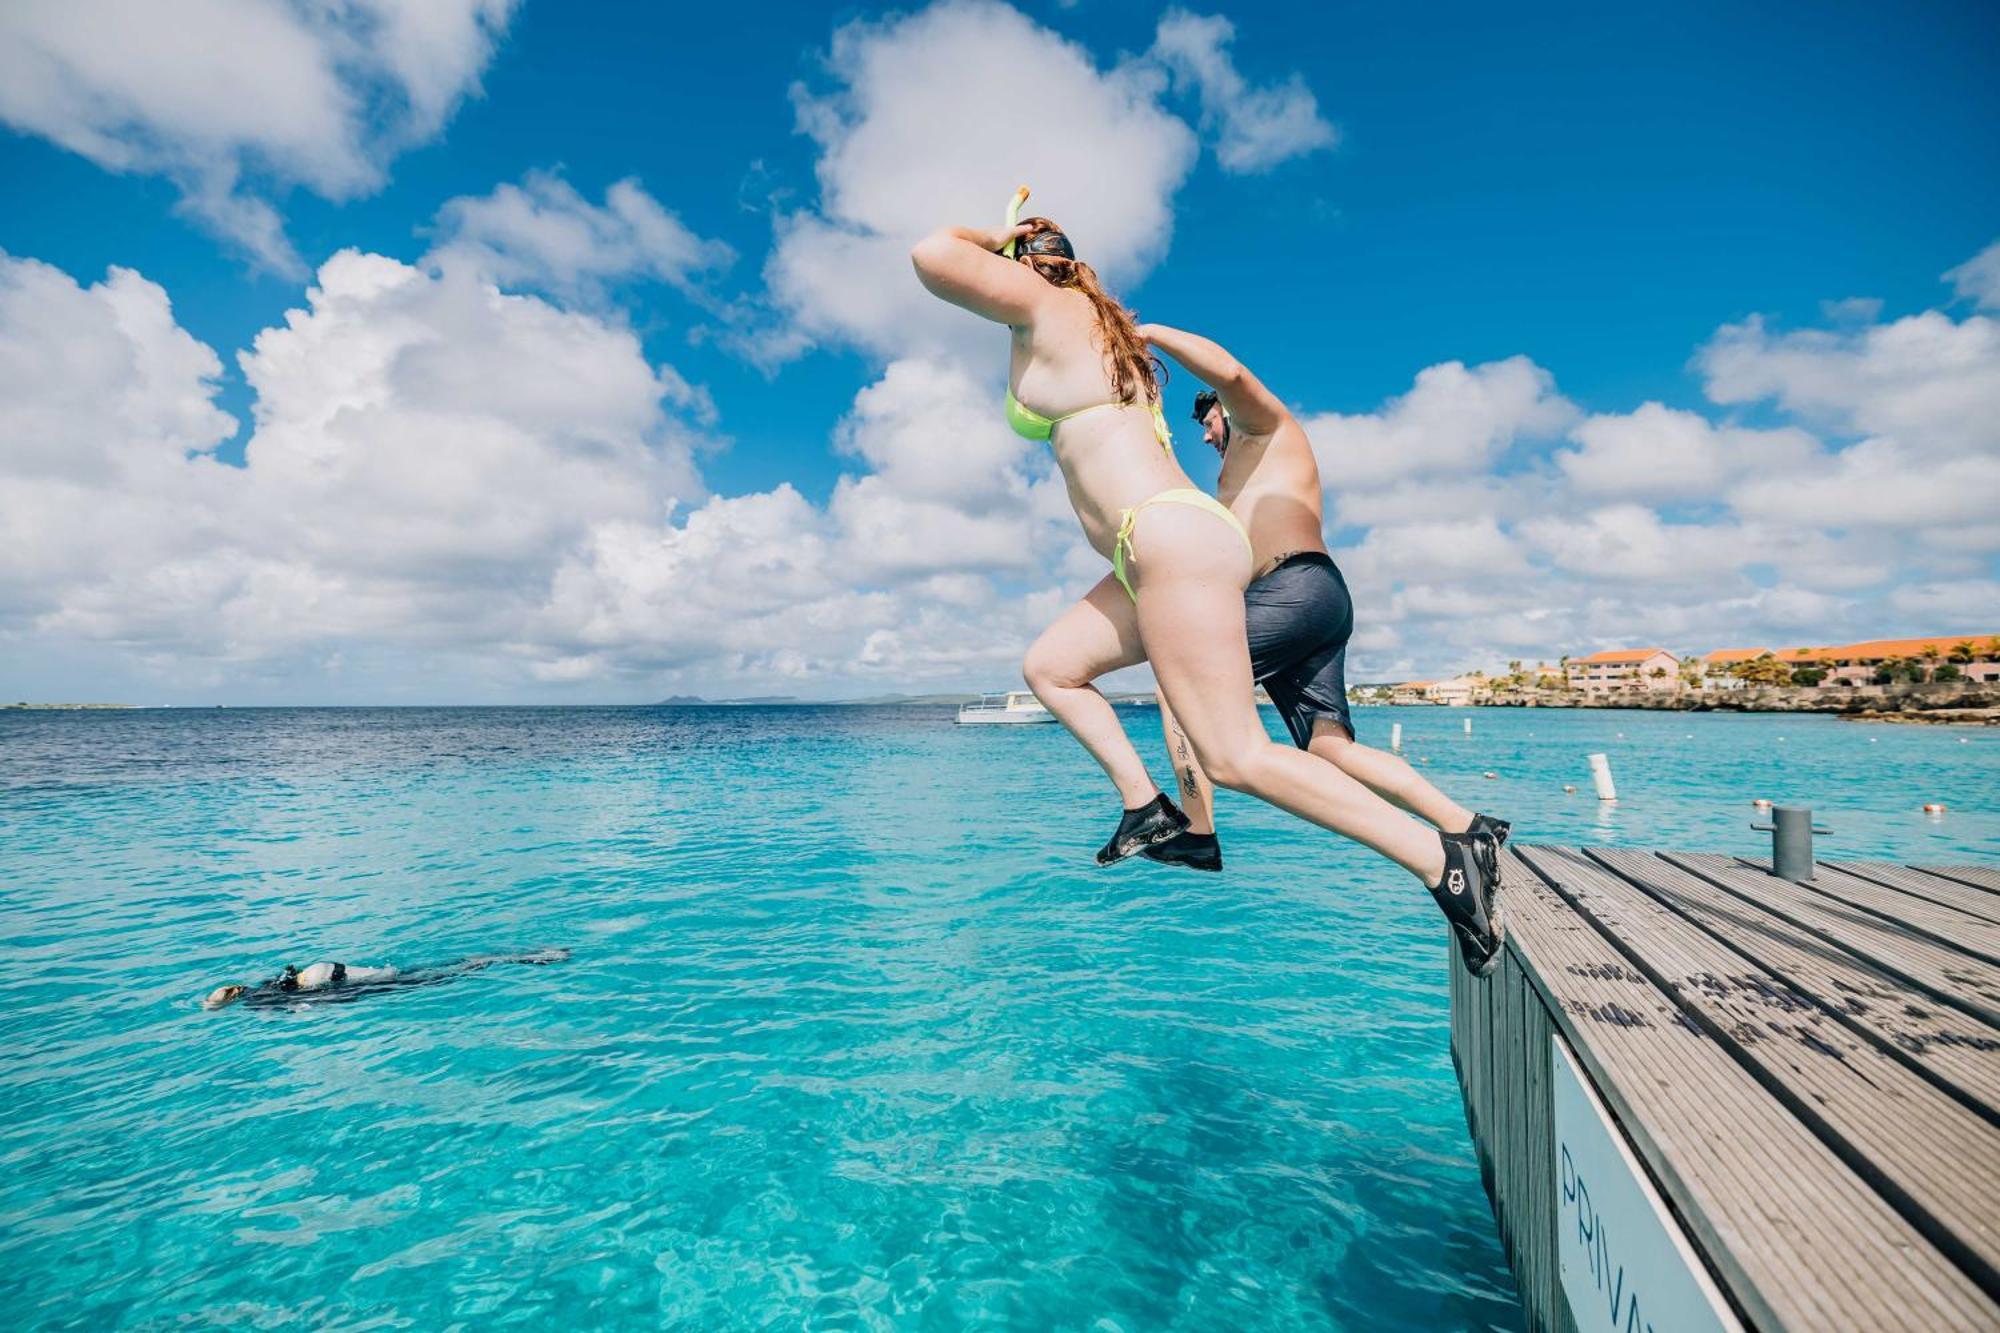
(1205, 402)
(1046, 241)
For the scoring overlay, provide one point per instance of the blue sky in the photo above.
(1596, 194)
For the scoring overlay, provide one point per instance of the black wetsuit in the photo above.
(284, 989)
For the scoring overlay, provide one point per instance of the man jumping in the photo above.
(1299, 618)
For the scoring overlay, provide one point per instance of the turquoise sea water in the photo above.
(854, 1034)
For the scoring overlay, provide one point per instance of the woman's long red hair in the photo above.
(1135, 372)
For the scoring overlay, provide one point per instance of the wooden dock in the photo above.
(1708, 1098)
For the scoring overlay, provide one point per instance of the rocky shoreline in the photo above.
(1937, 717)
(1960, 703)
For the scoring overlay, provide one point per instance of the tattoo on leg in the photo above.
(1190, 784)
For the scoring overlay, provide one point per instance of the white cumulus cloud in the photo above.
(1454, 419)
(543, 235)
(219, 95)
(933, 119)
(425, 449)
(1928, 381)
(1256, 128)
(1978, 278)
(1660, 453)
(1883, 484)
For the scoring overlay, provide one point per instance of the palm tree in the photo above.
(1930, 655)
(1962, 651)
(1764, 669)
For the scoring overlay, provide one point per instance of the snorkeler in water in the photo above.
(336, 982)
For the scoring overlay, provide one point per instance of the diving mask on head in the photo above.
(1204, 402)
(1048, 241)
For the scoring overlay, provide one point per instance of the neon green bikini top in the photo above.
(1034, 426)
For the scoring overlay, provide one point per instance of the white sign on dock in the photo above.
(1626, 1267)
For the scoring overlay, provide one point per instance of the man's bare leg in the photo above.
(1388, 776)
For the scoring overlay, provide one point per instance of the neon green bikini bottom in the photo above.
(1122, 554)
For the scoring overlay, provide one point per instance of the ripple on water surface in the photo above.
(852, 1032)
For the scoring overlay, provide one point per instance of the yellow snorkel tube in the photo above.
(1014, 219)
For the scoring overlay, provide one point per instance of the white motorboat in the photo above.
(1016, 706)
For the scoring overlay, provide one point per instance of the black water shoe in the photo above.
(1156, 821)
(1467, 892)
(1196, 851)
(1491, 835)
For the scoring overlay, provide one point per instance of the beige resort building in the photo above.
(1977, 658)
(1626, 669)
(1974, 659)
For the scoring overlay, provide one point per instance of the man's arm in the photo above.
(1252, 408)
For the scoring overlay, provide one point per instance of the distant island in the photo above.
(59, 708)
(766, 700)
(1134, 698)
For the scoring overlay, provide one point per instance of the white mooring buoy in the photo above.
(1396, 737)
(1468, 726)
(1600, 774)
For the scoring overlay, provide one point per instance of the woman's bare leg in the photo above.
(1388, 776)
(1097, 635)
(1197, 792)
(1192, 571)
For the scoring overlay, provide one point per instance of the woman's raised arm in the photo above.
(962, 265)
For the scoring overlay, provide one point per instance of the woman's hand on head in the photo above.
(997, 238)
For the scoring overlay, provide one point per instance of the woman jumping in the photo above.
(1179, 563)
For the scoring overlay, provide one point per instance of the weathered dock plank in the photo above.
(1940, 889)
(1934, 1160)
(1954, 1050)
(1979, 877)
(1944, 974)
(1943, 924)
(1793, 1235)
